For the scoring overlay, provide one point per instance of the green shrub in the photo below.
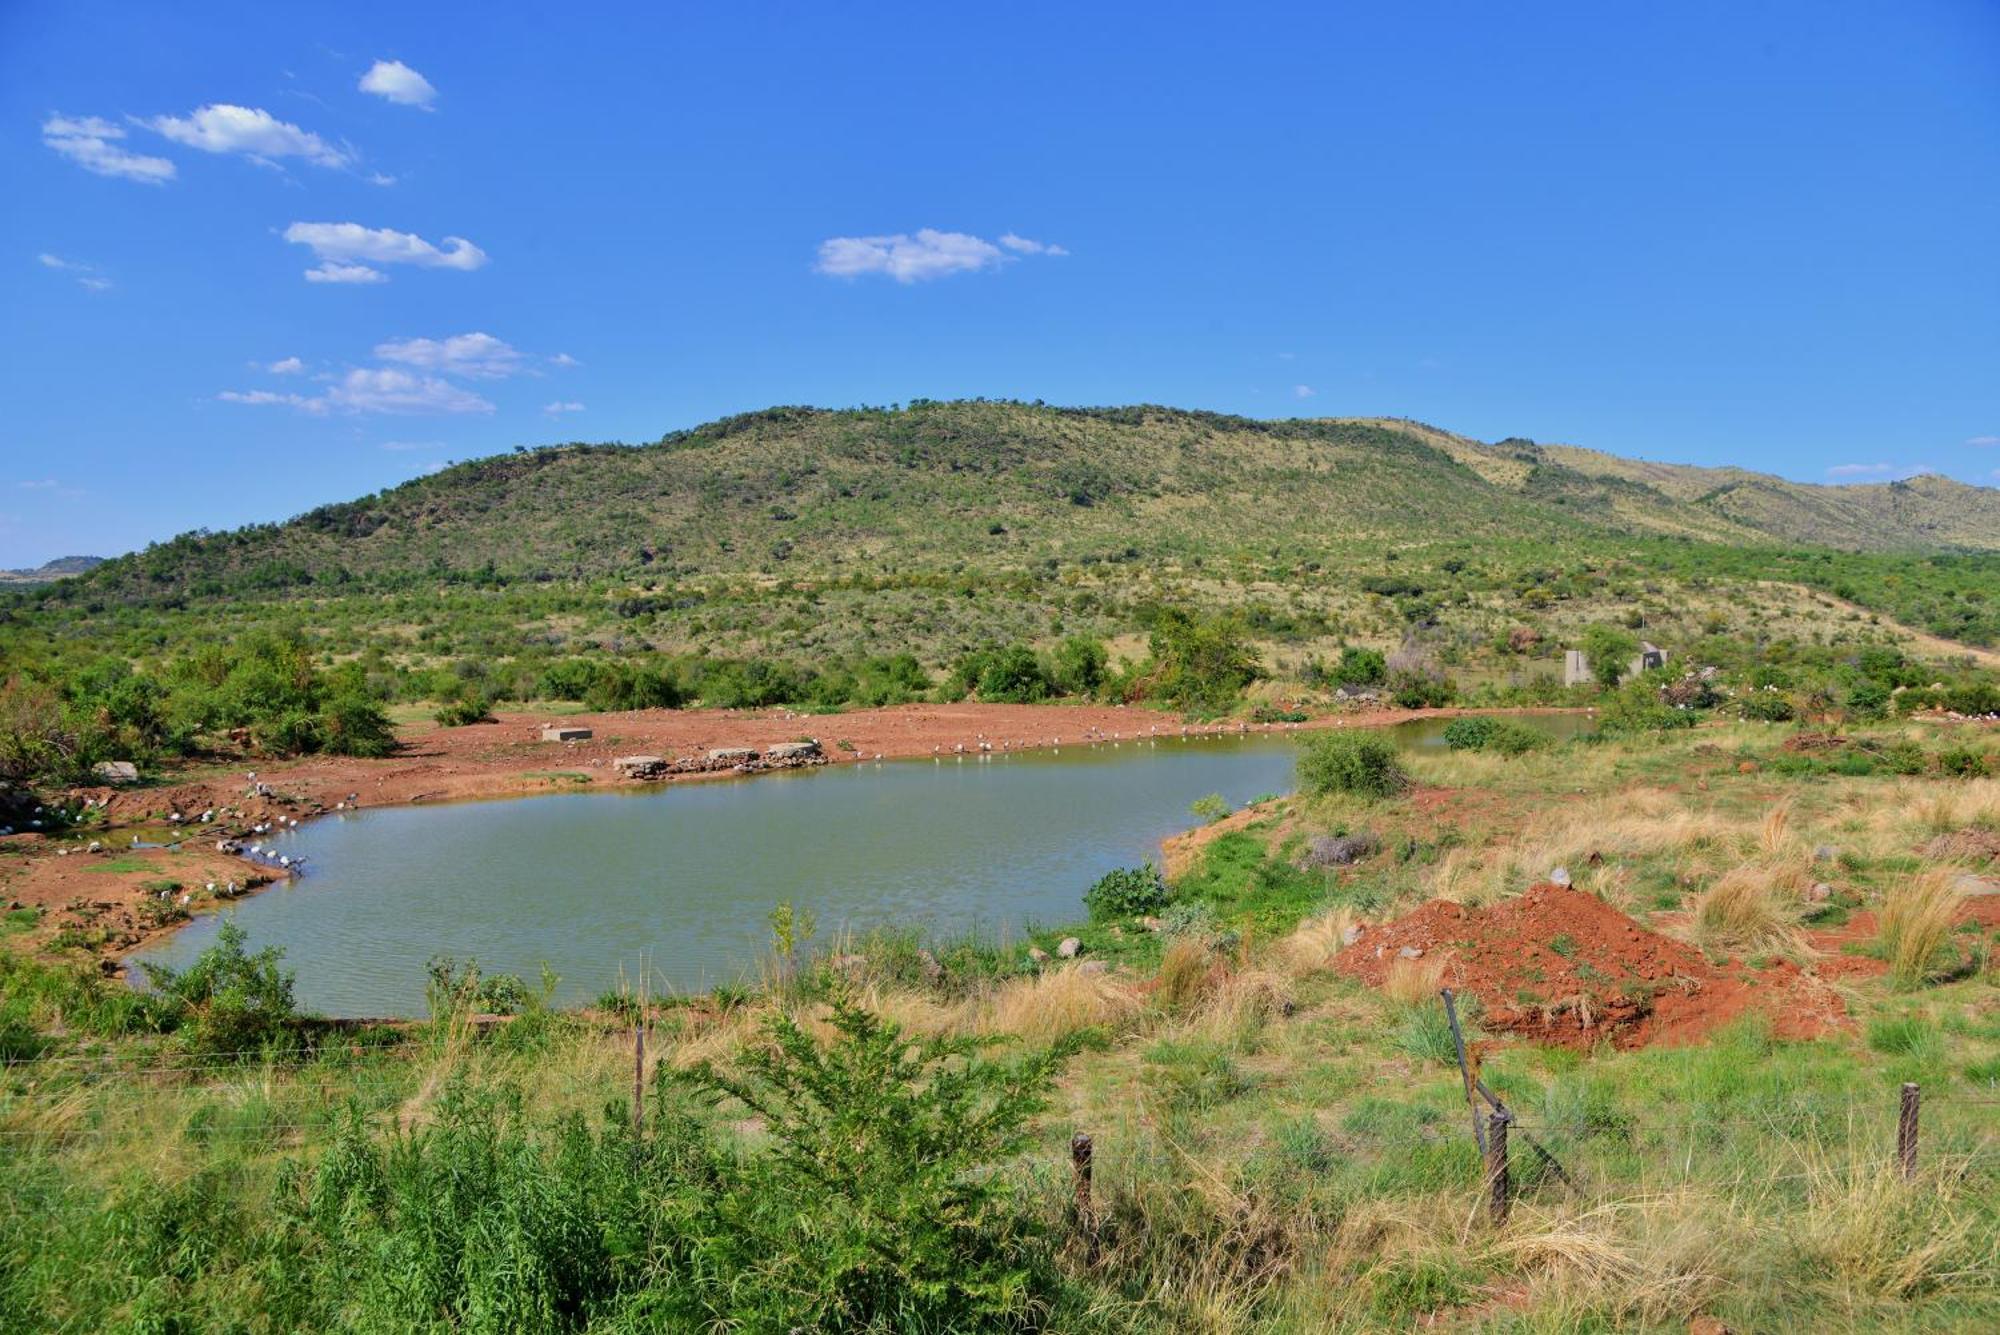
(1962, 762)
(1766, 706)
(1198, 661)
(1480, 732)
(463, 711)
(1209, 809)
(1350, 762)
(235, 1002)
(877, 1207)
(1421, 690)
(1128, 892)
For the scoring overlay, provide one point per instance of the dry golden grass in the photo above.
(1413, 983)
(1752, 909)
(1915, 920)
(1876, 1236)
(1056, 1004)
(1185, 969)
(1651, 1259)
(1774, 833)
(1312, 945)
(1238, 1001)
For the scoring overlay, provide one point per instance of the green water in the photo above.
(676, 882)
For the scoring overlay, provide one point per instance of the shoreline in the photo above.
(103, 894)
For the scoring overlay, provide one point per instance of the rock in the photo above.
(116, 771)
(640, 767)
(933, 971)
(1410, 953)
(793, 751)
(1093, 967)
(1350, 935)
(1069, 948)
(1825, 853)
(1152, 924)
(733, 755)
(1559, 876)
(565, 732)
(1038, 955)
(1820, 893)
(1343, 850)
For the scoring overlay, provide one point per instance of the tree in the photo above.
(1610, 651)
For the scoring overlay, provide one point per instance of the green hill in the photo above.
(798, 491)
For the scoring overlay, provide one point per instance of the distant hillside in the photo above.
(51, 571)
(797, 491)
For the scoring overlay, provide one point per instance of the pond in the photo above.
(676, 883)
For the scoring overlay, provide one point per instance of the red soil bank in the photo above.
(1560, 966)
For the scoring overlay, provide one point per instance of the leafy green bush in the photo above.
(463, 711)
(1128, 892)
(1481, 732)
(1350, 762)
(1199, 661)
(1209, 809)
(877, 1207)
(1421, 690)
(234, 1002)
(1766, 706)
(1610, 650)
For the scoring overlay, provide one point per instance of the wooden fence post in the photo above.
(1499, 1185)
(638, 1079)
(1906, 1132)
(1086, 1217)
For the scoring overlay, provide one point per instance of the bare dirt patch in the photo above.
(1559, 966)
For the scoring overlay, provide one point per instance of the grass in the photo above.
(1915, 922)
(1277, 1148)
(1751, 909)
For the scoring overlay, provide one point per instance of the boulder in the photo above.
(116, 771)
(565, 732)
(1411, 952)
(733, 755)
(1559, 876)
(1069, 948)
(805, 750)
(1820, 893)
(1093, 967)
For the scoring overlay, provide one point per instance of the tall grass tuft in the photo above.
(1750, 909)
(1915, 922)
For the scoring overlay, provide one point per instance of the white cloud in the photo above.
(1303, 391)
(372, 390)
(87, 275)
(329, 272)
(39, 484)
(348, 252)
(558, 408)
(406, 445)
(267, 398)
(91, 143)
(1021, 245)
(250, 131)
(1983, 441)
(1893, 472)
(564, 359)
(480, 356)
(908, 259)
(397, 82)
(286, 366)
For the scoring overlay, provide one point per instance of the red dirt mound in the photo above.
(1560, 966)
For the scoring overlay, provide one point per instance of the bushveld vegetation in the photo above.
(885, 1145)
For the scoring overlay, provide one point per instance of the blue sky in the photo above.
(284, 254)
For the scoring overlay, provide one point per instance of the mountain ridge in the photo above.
(1003, 484)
